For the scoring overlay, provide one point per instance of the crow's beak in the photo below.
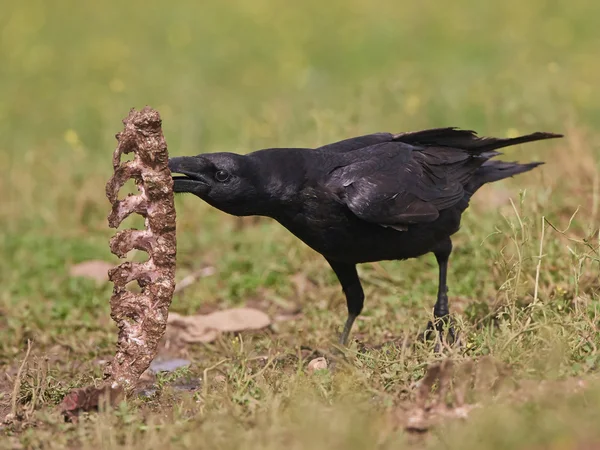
(179, 163)
(191, 168)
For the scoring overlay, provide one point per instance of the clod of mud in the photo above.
(89, 399)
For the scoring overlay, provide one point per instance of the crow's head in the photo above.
(227, 181)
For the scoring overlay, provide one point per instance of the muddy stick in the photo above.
(141, 316)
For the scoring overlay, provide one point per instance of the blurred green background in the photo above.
(242, 75)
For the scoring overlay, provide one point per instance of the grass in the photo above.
(242, 75)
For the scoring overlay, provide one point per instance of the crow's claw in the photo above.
(436, 332)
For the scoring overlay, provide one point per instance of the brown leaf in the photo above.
(206, 328)
(302, 284)
(95, 269)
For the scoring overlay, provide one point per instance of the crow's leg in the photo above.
(440, 310)
(353, 290)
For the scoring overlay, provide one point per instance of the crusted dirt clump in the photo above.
(141, 316)
(89, 399)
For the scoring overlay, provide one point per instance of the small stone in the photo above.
(319, 363)
(168, 365)
(220, 378)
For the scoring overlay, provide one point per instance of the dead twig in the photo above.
(17, 385)
(193, 277)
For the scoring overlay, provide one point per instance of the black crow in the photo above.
(370, 198)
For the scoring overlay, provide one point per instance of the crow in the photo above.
(370, 198)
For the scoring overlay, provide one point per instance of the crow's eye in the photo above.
(221, 176)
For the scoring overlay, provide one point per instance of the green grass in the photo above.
(242, 75)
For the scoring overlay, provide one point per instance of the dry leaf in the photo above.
(302, 284)
(319, 363)
(94, 269)
(206, 328)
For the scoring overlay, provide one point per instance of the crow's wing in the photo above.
(347, 145)
(439, 137)
(396, 184)
(408, 178)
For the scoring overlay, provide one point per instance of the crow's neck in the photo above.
(281, 179)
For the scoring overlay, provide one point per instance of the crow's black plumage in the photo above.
(370, 198)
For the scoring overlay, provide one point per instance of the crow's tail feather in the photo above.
(491, 171)
(467, 139)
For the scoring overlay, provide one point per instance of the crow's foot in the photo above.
(436, 331)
